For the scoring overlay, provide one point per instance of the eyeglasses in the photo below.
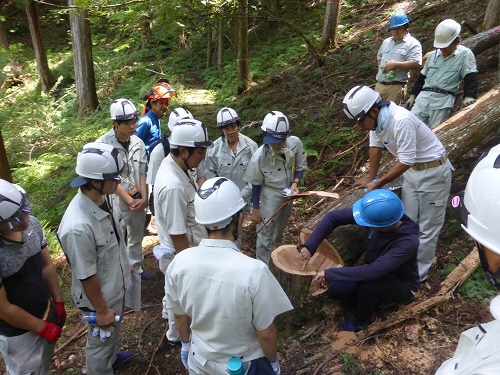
(205, 193)
(458, 209)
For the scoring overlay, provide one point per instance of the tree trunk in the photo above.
(84, 65)
(146, 27)
(46, 78)
(243, 69)
(492, 15)
(4, 162)
(220, 44)
(330, 25)
(209, 45)
(4, 40)
(483, 41)
(459, 134)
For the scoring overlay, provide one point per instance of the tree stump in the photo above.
(294, 277)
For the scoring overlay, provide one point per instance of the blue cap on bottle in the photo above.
(235, 366)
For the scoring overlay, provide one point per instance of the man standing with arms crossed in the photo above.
(421, 158)
(224, 302)
(174, 192)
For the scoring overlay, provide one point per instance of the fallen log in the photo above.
(481, 42)
(448, 286)
(459, 134)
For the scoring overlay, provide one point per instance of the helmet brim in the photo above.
(271, 140)
(77, 182)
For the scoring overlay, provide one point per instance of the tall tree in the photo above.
(330, 26)
(4, 40)
(492, 15)
(243, 69)
(4, 163)
(83, 61)
(46, 78)
(220, 44)
(209, 45)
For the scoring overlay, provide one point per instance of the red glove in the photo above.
(50, 332)
(61, 313)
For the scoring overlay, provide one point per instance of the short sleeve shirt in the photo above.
(407, 49)
(227, 295)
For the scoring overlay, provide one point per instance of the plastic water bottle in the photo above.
(130, 187)
(90, 318)
(235, 366)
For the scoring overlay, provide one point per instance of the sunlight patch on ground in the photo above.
(198, 97)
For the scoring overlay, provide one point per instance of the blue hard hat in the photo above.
(398, 19)
(378, 209)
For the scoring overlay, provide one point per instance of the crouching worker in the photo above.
(390, 272)
(91, 235)
(478, 351)
(224, 302)
(31, 307)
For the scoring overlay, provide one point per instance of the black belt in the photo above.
(439, 91)
(393, 83)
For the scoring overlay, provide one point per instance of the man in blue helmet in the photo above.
(397, 55)
(389, 274)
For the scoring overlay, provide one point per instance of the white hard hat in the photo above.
(123, 110)
(226, 116)
(359, 101)
(189, 133)
(217, 201)
(14, 205)
(97, 161)
(446, 32)
(177, 115)
(275, 127)
(482, 201)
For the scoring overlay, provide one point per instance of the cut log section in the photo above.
(294, 277)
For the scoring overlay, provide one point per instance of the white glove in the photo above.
(185, 353)
(468, 101)
(276, 366)
(103, 333)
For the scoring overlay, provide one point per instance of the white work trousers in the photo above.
(28, 353)
(135, 223)
(425, 195)
(271, 236)
(172, 332)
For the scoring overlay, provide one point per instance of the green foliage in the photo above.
(477, 287)
(351, 365)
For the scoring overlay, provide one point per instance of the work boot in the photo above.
(122, 357)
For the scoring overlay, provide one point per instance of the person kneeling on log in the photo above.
(390, 272)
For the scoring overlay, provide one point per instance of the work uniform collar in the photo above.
(208, 242)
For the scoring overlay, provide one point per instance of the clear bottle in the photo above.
(90, 318)
(235, 366)
(130, 187)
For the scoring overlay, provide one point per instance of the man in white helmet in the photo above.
(133, 191)
(224, 302)
(231, 153)
(433, 94)
(175, 189)
(421, 160)
(92, 238)
(397, 55)
(478, 207)
(32, 310)
(278, 164)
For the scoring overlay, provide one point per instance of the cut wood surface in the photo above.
(414, 310)
(296, 277)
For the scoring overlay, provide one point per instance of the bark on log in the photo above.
(453, 281)
(459, 134)
(483, 41)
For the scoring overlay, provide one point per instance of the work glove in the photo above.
(103, 333)
(50, 332)
(410, 102)
(185, 353)
(275, 365)
(468, 101)
(61, 313)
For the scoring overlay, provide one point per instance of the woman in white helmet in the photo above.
(225, 302)
(32, 310)
(433, 94)
(92, 237)
(478, 351)
(231, 153)
(277, 165)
